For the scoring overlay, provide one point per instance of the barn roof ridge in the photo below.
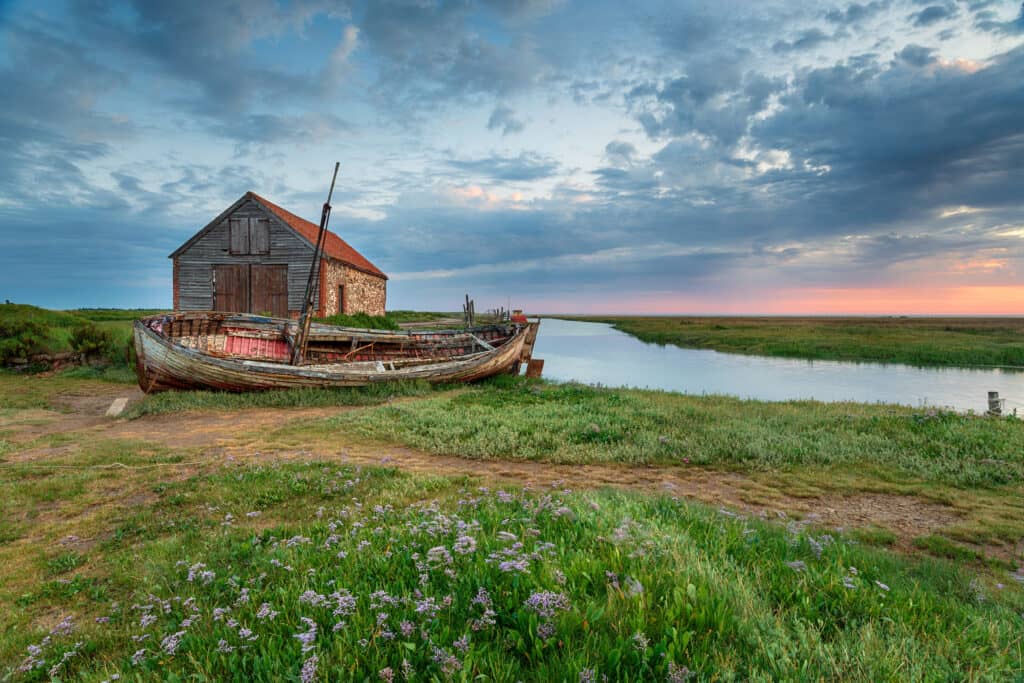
(334, 246)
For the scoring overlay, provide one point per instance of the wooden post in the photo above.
(995, 405)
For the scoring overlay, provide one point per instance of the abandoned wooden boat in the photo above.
(244, 352)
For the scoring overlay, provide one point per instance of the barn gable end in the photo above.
(254, 247)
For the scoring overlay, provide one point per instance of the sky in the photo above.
(608, 157)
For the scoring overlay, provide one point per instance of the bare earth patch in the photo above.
(230, 434)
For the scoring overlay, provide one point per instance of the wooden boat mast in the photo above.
(302, 336)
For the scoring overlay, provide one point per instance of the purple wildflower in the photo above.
(386, 675)
(546, 630)
(547, 604)
(587, 676)
(308, 673)
(138, 656)
(678, 674)
(171, 643)
(308, 637)
(224, 648)
(265, 612)
(462, 644)
(407, 628)
(64, 628)
(428, 607)
(464, 545)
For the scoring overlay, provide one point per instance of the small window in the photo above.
(248, 236)
(341, 298)
(238, 236)
(259, 236)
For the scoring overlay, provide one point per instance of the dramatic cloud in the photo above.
(561, 153)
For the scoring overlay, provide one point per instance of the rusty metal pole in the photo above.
(313, 285)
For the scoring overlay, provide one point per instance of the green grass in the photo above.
(914, 341)
(176, 401)
(361, 320)
(641, 586)
(59, 326)
(115, 314)
(570, 423)
(389, 321)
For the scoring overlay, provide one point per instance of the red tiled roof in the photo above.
(334, 246)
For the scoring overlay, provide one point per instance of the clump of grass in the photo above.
(571, 423)
(874, 535)
(175, 401)
(314, 569)
(64, 562)
(941, 546)
(362, 320)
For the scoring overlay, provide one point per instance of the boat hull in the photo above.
(162, 364)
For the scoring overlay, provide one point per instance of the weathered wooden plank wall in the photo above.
(195, 264)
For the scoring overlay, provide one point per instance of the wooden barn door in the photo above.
(231, 288)
(269, 292)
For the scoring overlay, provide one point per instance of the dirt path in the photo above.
(234, 434)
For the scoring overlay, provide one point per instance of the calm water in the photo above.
(595, 353)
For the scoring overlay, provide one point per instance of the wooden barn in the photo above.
(255, 258)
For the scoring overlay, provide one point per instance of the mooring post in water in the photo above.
(995, 404)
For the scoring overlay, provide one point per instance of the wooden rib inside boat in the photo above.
(242, 352)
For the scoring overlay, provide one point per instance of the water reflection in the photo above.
(597, 354)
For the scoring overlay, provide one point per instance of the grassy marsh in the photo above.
(570, 423)
(225, 572)
(913, 341)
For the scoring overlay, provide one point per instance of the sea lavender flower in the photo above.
(55, 669)
(547, 604)
(224, 648)
(587, 676)
(265, 612)
(634, 587)
(220, 612)
(448, 662)
(678, 674)
(138, 656)
(308, 673)
(313, 598)
(308, 637)
(171, 643)
(546, 630)
(882, 586)
(439, 556)
(462, 644)
(848, 583)
(344, 603)
(147, 620)
(797, 565)
(246, 634)
(428, 607)
(407, 670)
(613, 579)
(64, 628)
(464, 545)
(640, 641)
(387, 675)
(406, 628)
